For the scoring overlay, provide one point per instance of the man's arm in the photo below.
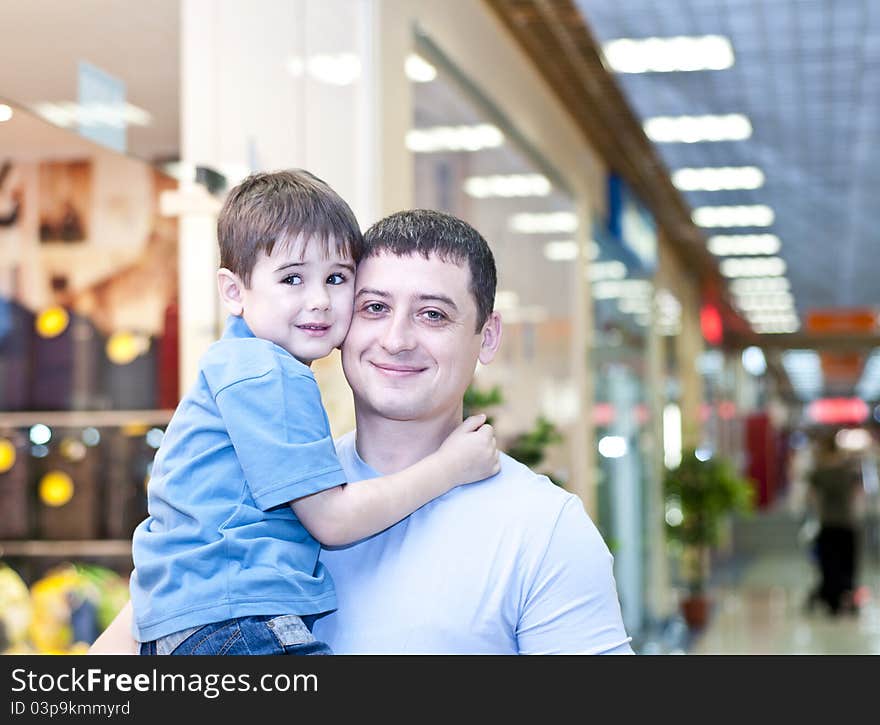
(572, 605)
(116, 639)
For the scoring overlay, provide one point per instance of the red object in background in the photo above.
(711, 325)
(835, 411)
(761, 445)
(168, 366)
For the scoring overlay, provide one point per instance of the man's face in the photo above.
(413, 346)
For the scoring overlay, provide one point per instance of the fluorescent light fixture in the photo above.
(804, 371)
(695, 129)
(418, 70)
(868, 387)
(752, 267)
(454, 138)
(116, 115)
(853, 439)
(562, 250)
(770, 301)
(722, 178)
(753, 361)
(756, 215)
(726, 245)
(671, 435)
(506, 186)
(506, 300)
(611, 269)
(613, 447)
(340, 69)
(5, 112)
(667, 55)
(610, 289)
(544, 223)
(759, 285)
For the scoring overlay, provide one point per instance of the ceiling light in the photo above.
(562, 250)
(116, 115)
(753, 267)
(804, 371)
(723, 178)
(541, 223)
(509, 185)
(5, 112)
(756, 215)
(753, 361)
(341, 69)
(777, 301)
(454, 138)
(744, 244)
(759, 285)
(665, 55)
(418, 70)
(611, 269)
(694, 129)
(868, 386)
(609, 289)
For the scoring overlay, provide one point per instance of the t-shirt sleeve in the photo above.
(571, 606)
(281, 436)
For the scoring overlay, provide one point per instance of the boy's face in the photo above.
(297, 298)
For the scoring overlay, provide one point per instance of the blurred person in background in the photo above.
(834, 495)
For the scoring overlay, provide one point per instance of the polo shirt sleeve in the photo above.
(281, 435)
(571, 606)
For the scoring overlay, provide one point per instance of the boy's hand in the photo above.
(470, 452)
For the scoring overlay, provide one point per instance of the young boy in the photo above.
(246, 485)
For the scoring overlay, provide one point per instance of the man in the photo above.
(511, 565)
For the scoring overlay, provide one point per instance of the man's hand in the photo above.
(470, 452)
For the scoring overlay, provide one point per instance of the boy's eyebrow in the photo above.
(348, 266)
(429, 297)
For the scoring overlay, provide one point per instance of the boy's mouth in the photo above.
(314, 329)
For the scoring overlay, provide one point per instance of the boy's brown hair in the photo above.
(270, 208)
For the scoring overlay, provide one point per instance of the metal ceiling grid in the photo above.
(806, 74)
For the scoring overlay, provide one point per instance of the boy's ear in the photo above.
(491, 338)
(230, 288)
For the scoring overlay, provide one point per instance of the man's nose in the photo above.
(399, 335)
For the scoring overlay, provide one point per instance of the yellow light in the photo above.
(123, 347)
(56, 488)
(52, 321)
(7, 455)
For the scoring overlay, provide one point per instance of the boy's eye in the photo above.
(374, 308)
(292, 279)
(434, 315)
(336, 278)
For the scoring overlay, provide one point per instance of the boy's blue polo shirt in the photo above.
(221, 540)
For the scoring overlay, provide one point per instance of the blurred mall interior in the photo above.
(677, 193)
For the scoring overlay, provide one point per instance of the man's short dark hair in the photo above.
(426, 232)
(270, 208)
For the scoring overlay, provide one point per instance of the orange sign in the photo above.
(842, 366)
(853, 320)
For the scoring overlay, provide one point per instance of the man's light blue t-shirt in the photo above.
(221, 540)
(510, 565)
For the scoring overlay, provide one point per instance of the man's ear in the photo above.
(491, 338)
(230, 288)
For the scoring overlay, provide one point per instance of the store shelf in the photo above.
(85, 547)
(85, 418)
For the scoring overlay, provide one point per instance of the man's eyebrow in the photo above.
(372, 292)
(437, 297)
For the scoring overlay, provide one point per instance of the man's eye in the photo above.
(292, 279)
(336, 278)
(434, 315)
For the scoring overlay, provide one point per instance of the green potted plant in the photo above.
(700, 494)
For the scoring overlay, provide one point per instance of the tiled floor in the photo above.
(762, 612)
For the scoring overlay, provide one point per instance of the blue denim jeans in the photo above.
(287, 634)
